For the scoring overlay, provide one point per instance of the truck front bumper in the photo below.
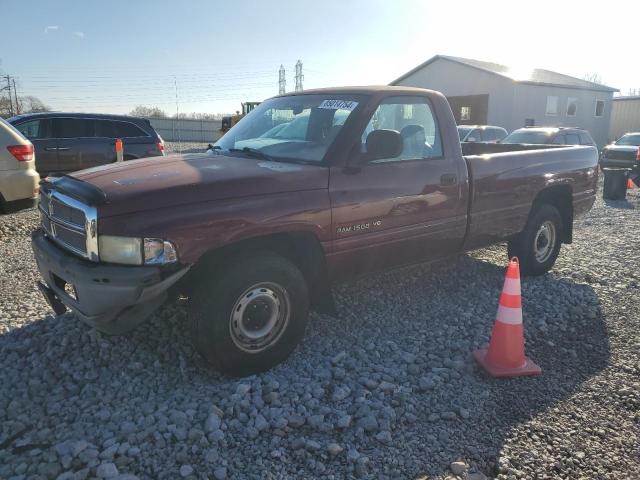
(113, 299)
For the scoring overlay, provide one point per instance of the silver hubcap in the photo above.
(545, 241)
(259, 317)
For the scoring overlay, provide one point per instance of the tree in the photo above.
(26, 104)
(31, 104)
(593, 78)
(148, 112)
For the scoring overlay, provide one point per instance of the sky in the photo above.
(208, 56)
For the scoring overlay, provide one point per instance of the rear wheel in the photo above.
(251, 315)
(538, 245)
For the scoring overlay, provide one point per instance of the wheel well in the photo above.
(303, 249)
(561, 197)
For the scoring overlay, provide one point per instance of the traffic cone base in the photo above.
(527, 368)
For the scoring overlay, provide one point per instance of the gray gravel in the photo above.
(386, 390)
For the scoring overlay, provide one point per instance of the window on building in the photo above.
(599, 108)
(572, 106)
(529, 122)
(465, 113)
(552, 105)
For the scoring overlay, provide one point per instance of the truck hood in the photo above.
(173, 180)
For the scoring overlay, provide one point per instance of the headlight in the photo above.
(125, 250)
(136, 251)
(158, 251)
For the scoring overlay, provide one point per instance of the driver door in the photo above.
(398, 210)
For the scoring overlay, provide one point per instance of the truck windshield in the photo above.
(524, 136)
(629, 140)
(294, 128)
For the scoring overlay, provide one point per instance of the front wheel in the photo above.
(538, 245)
(251, 315)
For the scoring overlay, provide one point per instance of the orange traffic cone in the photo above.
(505, 355)
(630, 184)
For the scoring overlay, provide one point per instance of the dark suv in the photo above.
(66, 142)
(550, 135)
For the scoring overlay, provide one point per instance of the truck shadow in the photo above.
(413, 328)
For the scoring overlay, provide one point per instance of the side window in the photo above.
(500, 134)
(559, 140)
(126, 129)
(35, 129)
(585, 139)
(104, 128)
(572, 139)
(72, 128)
(475, 136)
(413, 118)
(489, 135)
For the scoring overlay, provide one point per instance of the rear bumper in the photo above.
(22, 204)
(619, 163)
(114, 299)
(18, 185)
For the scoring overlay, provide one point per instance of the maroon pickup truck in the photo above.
(308, 189)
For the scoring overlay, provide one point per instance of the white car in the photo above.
(18, 177)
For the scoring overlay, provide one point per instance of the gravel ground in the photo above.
(385, 390)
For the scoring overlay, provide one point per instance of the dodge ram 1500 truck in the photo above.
(308, 189)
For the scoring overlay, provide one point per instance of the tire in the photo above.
(537, 257)
(230, 313)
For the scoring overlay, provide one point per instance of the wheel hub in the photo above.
(545, 241)
(259, 317)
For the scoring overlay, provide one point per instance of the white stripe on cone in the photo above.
(511, 286)
(511, 316)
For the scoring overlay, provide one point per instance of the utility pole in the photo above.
(10, 99)
(299, 76)
(15, 94)
(282, 81)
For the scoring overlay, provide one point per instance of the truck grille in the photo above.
(69, 223)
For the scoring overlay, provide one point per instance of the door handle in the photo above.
(63, 149)
(448, 179)
(51, 149)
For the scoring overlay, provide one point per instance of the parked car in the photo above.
(67, 142)
(255, 232)
(623, 153)
(481, 133)
(550, 135)
(18, 177)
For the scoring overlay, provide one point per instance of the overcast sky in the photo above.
(111, 56)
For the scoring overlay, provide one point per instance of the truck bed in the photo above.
(504, 180)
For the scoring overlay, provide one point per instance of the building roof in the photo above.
(627, 97)
(536, 76)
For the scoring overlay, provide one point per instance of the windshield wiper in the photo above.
(253, 152)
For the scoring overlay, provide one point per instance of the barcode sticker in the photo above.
(338, 105)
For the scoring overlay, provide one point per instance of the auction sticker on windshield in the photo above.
(338, 105)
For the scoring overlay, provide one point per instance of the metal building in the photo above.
(492, 94)
(625, 116)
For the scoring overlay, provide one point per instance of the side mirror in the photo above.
(383, 144)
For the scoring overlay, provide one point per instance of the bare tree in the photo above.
(593, 77)
(633, 92)
(148, 112)
(31, 104)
